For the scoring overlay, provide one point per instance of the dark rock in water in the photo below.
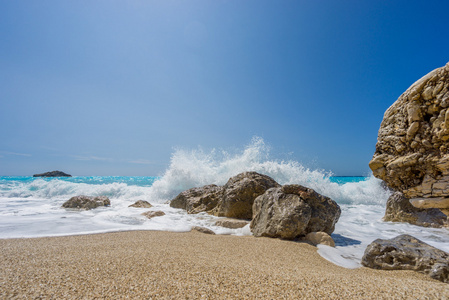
(141, 204)
(202, 230)
(240, 192)
(53, 174)
(405, 252)
(86, 202)
(292, 211)
(152, 214)
(399, 209)
(196, 200)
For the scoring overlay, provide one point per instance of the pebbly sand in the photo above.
(166, 265)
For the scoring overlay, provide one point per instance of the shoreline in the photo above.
(160, 264)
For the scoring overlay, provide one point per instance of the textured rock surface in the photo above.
(231, 223)
(198, 199)
(399, 209)
(141, 204)
(412, 152)
(52, 174)
(202, 230)
(291, 211)
(240, 192)
(86, 202)
(321, 238)
(234, 200)
(405, 252)
(151, 214)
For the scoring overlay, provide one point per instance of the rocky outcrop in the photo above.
(399, 209)
(151, 214)
(293, 211)
(199, 199)
(240, 192)
(412, 152)
(53, 174)
(141, 204)
(86, 202)
(405, 252)
(320, 238)
(231, 223)
(233, 200)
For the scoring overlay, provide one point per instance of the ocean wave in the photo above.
(194, 168)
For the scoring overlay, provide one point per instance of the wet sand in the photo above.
(166, 265)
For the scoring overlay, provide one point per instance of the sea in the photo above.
(31, 207)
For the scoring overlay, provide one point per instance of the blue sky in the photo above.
(111, 87)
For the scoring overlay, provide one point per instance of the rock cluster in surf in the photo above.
(287, 212)
(412, 151)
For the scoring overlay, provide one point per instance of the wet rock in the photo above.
(231, 223)
(86, 202)
(199, 199)
(202, 230)
(53, 174)
(141, 204)
(399, 209)
(412, 150)
(292, 211)
(405, 252)
(151, 214)
(240, 192)
(321, 238)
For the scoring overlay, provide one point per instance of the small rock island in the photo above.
(53, 174)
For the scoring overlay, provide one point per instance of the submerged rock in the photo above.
(405, 252)
(141, 204)
(399, 209)
(292, 211)
(151, 214)
(412, 152)
(53, 174)
(86, 202)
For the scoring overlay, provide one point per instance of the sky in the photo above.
(113, 87)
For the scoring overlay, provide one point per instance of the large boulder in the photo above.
(86, 202)
(240, 192)
(405, 252)
(412, 151)
(199, 199)
(399, 209)
(53, 174)
(292, 211)
(233, 200)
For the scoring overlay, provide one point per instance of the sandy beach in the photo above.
(155, 265)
